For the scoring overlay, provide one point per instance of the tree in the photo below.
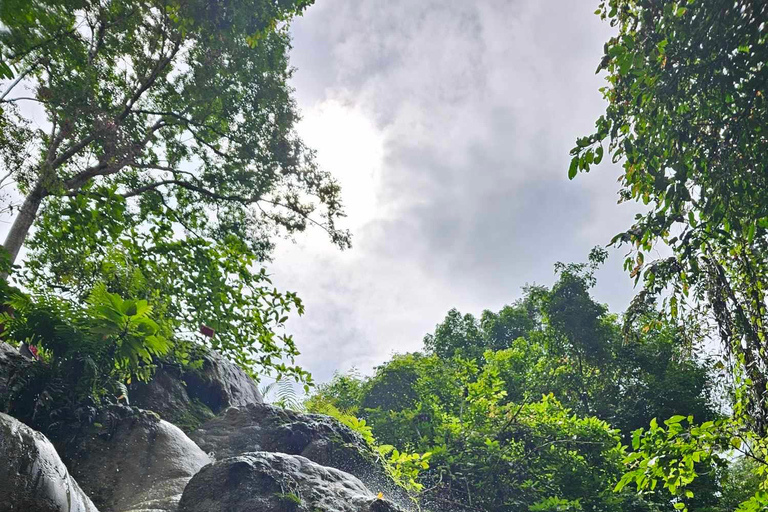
(457, 334)
(188, 281)
(182, 108)
(496, 443)
(686, 113)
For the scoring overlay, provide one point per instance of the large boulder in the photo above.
(220, 384)
(187, 398)
(276, 482)
(320, 438)
(32, 476)
(131, 460)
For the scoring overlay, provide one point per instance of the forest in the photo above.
(144, 211)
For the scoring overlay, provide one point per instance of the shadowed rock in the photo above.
(277, 482)
(11, 365)
(134, 461)
(32, 476)
(320, 438)
(188, 398)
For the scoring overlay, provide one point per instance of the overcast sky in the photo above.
(448, 124)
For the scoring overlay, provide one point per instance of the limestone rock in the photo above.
(32, 476)
(131, 460)
(276, 482)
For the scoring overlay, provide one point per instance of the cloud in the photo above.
(448, 124)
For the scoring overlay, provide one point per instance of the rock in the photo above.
(166, 394)
(188, 398)
(321, 439)
(221, 384)
(131, 460)
(276, 482)
(32, 476)
(11, 365)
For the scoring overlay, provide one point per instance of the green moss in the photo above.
(289, 501)
(190, 418)
(289, 497)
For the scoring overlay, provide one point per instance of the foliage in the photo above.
(686, 117)
(496, 444)
(282, 394)
(740, 483)
(402, 467)
(172, 103)
(674, 456)
(190, 281)
(167, 163)
(344, 391)
(686, 114)
(89, 353)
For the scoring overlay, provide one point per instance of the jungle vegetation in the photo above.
(169, 162)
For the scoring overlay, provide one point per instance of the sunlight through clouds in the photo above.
(349, 146)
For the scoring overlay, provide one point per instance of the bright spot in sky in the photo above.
(351, 148)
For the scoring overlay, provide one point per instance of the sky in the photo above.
(448, 124)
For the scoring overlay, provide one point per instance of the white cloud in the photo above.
(449, 124)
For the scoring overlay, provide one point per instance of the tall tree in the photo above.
(181, 107)
(686, 91)
(686, 117)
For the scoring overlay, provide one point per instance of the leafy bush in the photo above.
(89, 353)
(402, 467)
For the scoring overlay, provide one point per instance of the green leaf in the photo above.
(574, 168)
(674, 419)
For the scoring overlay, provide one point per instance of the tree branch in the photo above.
(104, 168)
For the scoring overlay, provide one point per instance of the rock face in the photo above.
(130, 460)
(276, 482)
(134, 461)
(321, 439)
(11, 363)
(221, 384)
(32, 476)
(189, 398)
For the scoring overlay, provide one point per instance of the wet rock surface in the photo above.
(220, 384)
(131, 460)
(321, 439)
(32, 476)
(277, 482)
(126, 459)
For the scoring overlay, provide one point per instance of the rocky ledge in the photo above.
(240, 455)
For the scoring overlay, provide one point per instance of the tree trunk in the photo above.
(23, 221)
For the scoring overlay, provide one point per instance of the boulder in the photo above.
(220, 384)
(187, 398)
(167, 395)
(131, 460)
(32, 476)
(12, 364)
(277, 482)
(321, 439)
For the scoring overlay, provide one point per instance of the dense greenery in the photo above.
(686, 117)
(533, 407)
(167, 163)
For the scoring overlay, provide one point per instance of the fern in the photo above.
(282, 394)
